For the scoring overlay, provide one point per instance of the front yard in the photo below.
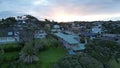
(51, 51)
(47, 58)
(50, 56)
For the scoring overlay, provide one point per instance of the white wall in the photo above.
(96, 30)
(7, 39)
(41, 36)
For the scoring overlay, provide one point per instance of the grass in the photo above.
(50, 56)
(10, 56)
(47, 58)
(114, 64)
(7, 58)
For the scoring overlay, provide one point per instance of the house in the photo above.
(8, 35)
(70, 43)
(97, 28)
(40, 34)
(89, 35)
(111, 37)
(21, 17)
(56, 28)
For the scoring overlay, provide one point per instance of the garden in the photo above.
(50, 51)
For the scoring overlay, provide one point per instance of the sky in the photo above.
(62, 10)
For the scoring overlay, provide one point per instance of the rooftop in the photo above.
(68, 38)
(87, 34)
(56, 26)
(80, 47)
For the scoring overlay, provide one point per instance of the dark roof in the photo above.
(109, 38)
(87, 34)
(7, 32)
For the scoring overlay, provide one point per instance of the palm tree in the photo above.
(28, 53)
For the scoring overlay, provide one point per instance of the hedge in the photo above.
(10, 47)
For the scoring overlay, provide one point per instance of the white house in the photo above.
(21, 17)
(8, 35)
(56, 28)
(97, 28)
(40, 34)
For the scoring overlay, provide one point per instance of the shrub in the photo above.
(46, 43)
(6, 65)
(78, 61)
(8, 57)
(10, 47)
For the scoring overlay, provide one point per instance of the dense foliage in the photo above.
(12, 56)
(112, 27)
(78, 61)
(10, 21)
(10, 47)
(103, 50)
(29, 52)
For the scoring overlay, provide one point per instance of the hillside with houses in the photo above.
(27, 42)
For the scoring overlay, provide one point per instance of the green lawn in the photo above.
(50, 56)
(114, 64)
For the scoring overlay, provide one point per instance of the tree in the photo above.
(47, 21)
(10, 21)
(102, 50)
(27, 32)
(78, 61)
(28, 53)
(26, 35)
(39, 45)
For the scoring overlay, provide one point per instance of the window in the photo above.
(16, 33)
(10, 33)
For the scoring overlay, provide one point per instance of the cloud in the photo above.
(41, 2)
(91, 7)
(54, 9)
(5, 14)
